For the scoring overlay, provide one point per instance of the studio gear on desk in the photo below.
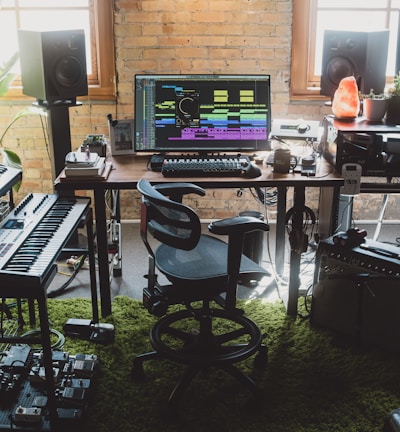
(374, 146)
(307, 130)
(283, 162)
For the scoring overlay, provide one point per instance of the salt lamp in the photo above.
(346, 101)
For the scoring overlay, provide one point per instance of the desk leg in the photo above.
(102, 251)
(92, 266)
(280, 231)
(296, 241)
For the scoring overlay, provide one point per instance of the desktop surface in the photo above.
(128, 170)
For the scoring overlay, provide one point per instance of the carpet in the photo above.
(309, 383)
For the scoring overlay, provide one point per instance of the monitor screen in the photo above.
(202, 113)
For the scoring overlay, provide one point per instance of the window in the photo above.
(94, 16)
(312, 17)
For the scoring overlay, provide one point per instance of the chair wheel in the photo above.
(261, 359)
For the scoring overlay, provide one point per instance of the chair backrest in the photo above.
(168, 221)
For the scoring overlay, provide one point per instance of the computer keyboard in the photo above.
(214, 165)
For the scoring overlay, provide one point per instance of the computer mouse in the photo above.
(252, 171)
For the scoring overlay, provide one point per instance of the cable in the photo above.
(56, 345)
(77, 267)
(269, 198)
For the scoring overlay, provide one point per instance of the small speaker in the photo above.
(53, 64)
(359, 54)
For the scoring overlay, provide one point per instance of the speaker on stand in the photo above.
(53, 70)
(359, 54)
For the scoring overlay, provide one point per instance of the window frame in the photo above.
(304, 85)
(303, 47)
(102, 81)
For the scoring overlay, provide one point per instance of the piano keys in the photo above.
(31, 238)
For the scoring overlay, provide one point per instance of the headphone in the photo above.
(300, 243)
(112, 122)
(308, 215)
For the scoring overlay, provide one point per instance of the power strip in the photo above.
(351, 173)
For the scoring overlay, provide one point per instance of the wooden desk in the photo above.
(128, 170)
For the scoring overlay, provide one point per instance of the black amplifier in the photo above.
(365, 143)
(357, 292)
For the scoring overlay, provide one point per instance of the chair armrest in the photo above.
(237, 224)
(176, 191)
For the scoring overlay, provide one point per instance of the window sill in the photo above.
(309, 98)
(95, 95)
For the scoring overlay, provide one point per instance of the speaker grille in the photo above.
(69, 72)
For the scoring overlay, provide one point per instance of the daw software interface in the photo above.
(202, 113)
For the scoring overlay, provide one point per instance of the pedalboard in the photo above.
(23, 389)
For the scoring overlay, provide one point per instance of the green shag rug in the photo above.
(309, 383)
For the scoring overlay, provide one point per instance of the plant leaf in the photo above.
(5, 82)
(10, 158)
(6, 76)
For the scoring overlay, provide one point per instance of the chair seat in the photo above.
(203, 264)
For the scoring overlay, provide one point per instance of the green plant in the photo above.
(372, 95)
(394, 89)
(6, 74)
(9, 157)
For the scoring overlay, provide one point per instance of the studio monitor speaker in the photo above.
(53, 64)
(359, 54)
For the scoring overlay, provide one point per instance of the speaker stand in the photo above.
(58, 126)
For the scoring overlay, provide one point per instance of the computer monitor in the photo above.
(202, 113)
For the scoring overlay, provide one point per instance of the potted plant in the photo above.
(393, 109)
(374, 106)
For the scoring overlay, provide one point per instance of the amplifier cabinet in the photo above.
(357, 292)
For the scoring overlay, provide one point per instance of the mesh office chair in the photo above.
(201, 270)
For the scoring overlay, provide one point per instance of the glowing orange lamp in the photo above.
(346, 101)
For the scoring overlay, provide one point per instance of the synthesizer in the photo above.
(32, 236)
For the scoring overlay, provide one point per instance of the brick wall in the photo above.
(180, 36)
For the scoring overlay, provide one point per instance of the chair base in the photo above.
(194, 337)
